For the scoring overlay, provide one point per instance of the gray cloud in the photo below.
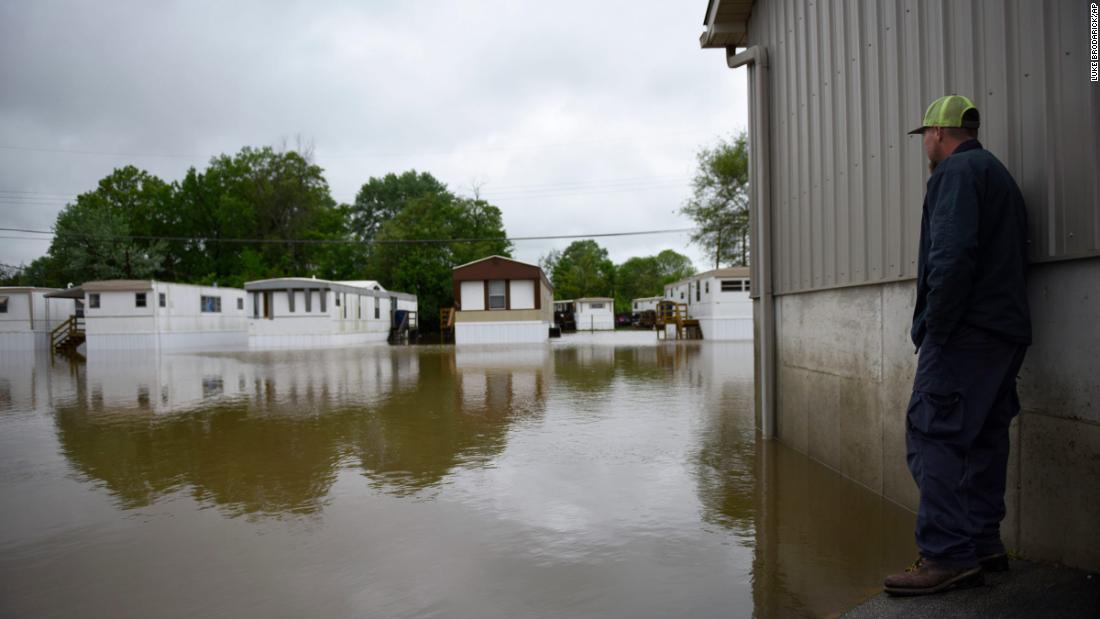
(573, 117)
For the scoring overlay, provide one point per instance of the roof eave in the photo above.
(726, 24)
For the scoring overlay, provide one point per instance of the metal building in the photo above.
(837, 188)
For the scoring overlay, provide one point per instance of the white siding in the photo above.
(180, 325)
(595, 319)
(518, 332)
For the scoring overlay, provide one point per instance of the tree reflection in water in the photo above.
(266, 434)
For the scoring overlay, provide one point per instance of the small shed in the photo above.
(595, 313)
(499, 300)
(305, 312)
(27, 316)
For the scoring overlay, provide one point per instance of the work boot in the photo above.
(925, 577)
(994, 563)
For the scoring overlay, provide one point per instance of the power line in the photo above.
(339, 241)
(321, 154)
(517, 192)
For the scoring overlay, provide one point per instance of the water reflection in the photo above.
(581, 478)
(265, 433)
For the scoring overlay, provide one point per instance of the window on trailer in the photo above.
(93, 300)
(211, 305)
(139, 299)
(497, 300)
(3, 305)
(162, 299)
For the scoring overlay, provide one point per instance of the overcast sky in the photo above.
(573, 117)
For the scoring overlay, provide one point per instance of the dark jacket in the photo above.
(973, 251)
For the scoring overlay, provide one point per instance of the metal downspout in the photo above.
(760, 199)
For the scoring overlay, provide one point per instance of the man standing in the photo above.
(971, 326)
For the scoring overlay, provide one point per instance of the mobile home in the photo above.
(502, 301)
(144, 314)
(645, 304)
(719, 300)
(299, 312)
(27, 316)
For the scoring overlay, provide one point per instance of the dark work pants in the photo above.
(964, 398)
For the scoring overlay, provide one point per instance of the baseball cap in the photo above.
(950, 111)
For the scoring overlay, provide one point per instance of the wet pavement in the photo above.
(1027, 591)
(594, 476)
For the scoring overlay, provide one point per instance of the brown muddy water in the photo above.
(592, 477)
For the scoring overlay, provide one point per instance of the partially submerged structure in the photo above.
(836, 189)
(565, 318)
(144, 314)
(645, 304)
(499, 300)
(595, 313)
(300, 312)
(719, 300)
(27, 316)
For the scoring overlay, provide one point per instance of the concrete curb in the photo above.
(1027, 590)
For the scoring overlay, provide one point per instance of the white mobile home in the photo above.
(594, 314)
(299, 312)
(719, 300)
(645, 304)
(144, 314)
(27, 316)
(502, 301)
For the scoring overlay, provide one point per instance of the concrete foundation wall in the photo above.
(844, 375)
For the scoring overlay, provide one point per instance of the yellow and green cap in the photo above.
(950, 111)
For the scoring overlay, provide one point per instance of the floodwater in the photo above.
(591, 477)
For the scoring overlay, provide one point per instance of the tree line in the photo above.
(264, 213)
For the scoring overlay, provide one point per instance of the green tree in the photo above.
(105, 233)
(583, 270)
(380, 199)
(672, 266)
(646, 276)
(277, 197)
(409, 257)
(636, 278)
(719, 203)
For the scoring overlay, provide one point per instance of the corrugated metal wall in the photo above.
(848, 79)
